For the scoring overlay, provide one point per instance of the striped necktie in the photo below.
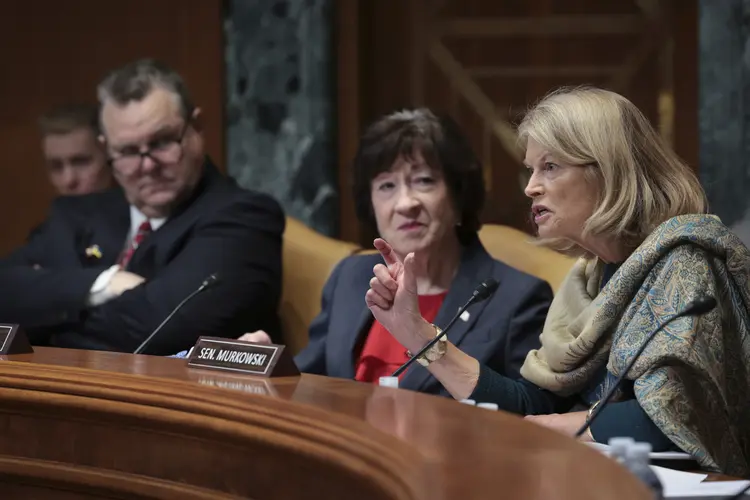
(143, 231)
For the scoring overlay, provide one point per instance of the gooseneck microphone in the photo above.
(212, 280)
(697, 307)
(482, 292)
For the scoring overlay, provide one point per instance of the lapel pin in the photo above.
(94, 251)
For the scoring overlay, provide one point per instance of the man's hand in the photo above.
(123, 281)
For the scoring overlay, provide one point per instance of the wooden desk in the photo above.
(86, 424)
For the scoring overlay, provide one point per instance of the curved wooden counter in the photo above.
(87, 424)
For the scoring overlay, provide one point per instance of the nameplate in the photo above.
(265, 360)
(13, 340)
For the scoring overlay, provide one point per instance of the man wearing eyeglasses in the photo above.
(107, 268)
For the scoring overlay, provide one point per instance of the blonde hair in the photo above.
(642, 182)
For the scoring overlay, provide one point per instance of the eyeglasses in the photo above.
(162, 151)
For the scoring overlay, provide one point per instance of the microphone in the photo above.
(697, 307)
(482, 292)
(210, 281)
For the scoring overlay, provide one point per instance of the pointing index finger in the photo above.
(389, 256)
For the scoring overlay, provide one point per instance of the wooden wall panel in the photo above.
(53, 52)
(488, 61)
(685, 80)
(348, 85)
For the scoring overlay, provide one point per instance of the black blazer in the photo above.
(499, 331)
(221, 228)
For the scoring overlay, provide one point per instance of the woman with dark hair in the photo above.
(419, 184)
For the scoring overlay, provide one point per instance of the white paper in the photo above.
(679, 484)
(675, 482)
(706, 489)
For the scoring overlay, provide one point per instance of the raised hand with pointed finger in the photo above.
(392, 297)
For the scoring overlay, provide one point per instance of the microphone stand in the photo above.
(696, 307)
(210, 281)
(482, 292)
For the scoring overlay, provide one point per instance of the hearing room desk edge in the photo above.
(88, 424)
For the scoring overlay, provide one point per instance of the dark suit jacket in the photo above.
(499, 331)
(220, 229)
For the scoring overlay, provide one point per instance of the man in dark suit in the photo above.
(105, 269)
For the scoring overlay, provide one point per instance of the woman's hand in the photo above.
(565, 423)
(259, 337)
(392, 298)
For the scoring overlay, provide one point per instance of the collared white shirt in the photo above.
(98, 294)
(136, 219)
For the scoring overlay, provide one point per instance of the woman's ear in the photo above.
(196, 119)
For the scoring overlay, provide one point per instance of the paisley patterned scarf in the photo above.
(693, 380)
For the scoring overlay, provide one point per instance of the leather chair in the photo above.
(308, 259)
(517, 249)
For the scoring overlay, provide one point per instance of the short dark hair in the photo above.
(136, 80)
(69, 117)
(444, 147)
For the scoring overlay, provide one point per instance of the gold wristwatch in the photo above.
(592, 410)
(435, 352)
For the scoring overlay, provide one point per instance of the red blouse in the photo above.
(382, 354)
